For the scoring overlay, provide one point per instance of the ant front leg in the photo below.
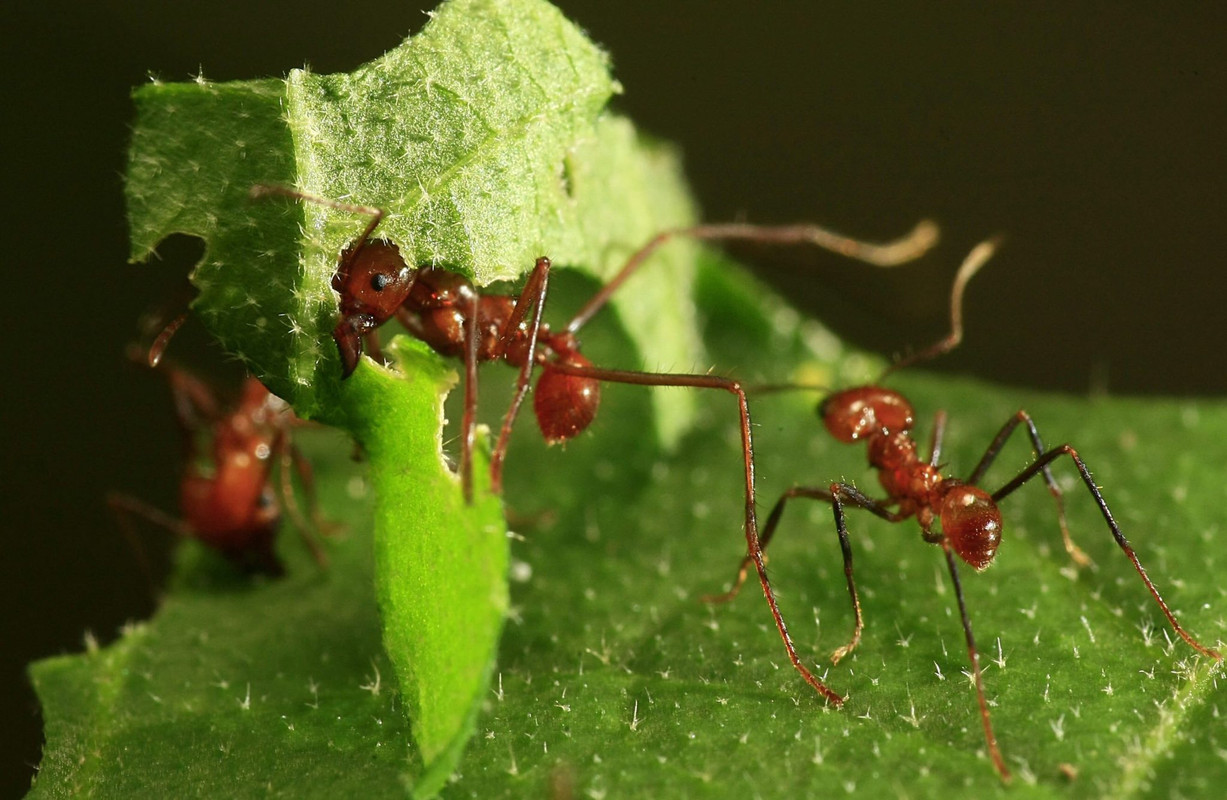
(1037, 445)
(533, 294)
(753, 545)
(1040, 466)
(469, 418)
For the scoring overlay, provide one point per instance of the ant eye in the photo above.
(380, 281)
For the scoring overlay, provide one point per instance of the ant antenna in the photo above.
(158, 348)
(908, 247)
(263, 190)
(979, 255)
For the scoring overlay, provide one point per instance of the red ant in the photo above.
(969, 522)
(448, 313)
(226, 497)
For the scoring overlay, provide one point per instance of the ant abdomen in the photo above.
(971, 522)
(565, 404)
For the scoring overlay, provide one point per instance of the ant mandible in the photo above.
(226, 496)
(455, 319)
(956, 515)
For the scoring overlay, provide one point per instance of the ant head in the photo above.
(373, 280)
(856, 413)
(972, 524)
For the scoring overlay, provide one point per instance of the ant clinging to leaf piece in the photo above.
(446, 311)
(957, 515)
(226, 494)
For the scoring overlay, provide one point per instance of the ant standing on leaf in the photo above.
(226, 495)
(954, 514)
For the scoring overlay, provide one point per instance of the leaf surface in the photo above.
(483, 137)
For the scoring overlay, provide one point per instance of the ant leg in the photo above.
(979, 255)
(469, 420)
(195, 404)
(888, 254)
(977, 675)
(291, 458)
(125, 507)
(852, 495)
(935, 441)
(994, 449)
(833, 496)
(533, 293)
(1039, 466)
(773, 521)
(158, 348)
(753, 544)
(306, 476)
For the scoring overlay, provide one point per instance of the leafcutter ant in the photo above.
(226, 496)
(445, 310)
(957, 515)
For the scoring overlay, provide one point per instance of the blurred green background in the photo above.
(1090, 133)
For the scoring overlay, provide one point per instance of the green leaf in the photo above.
(617, 678)
(613, 677)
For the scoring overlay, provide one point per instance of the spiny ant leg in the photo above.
(1039, 466)
(977, 676)
(534, 293)
(850, 494)
(306, 476)
(751, 520)
(888, 254)
(1037, 445)
(773, 521)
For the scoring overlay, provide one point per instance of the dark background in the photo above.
(1090, 133)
